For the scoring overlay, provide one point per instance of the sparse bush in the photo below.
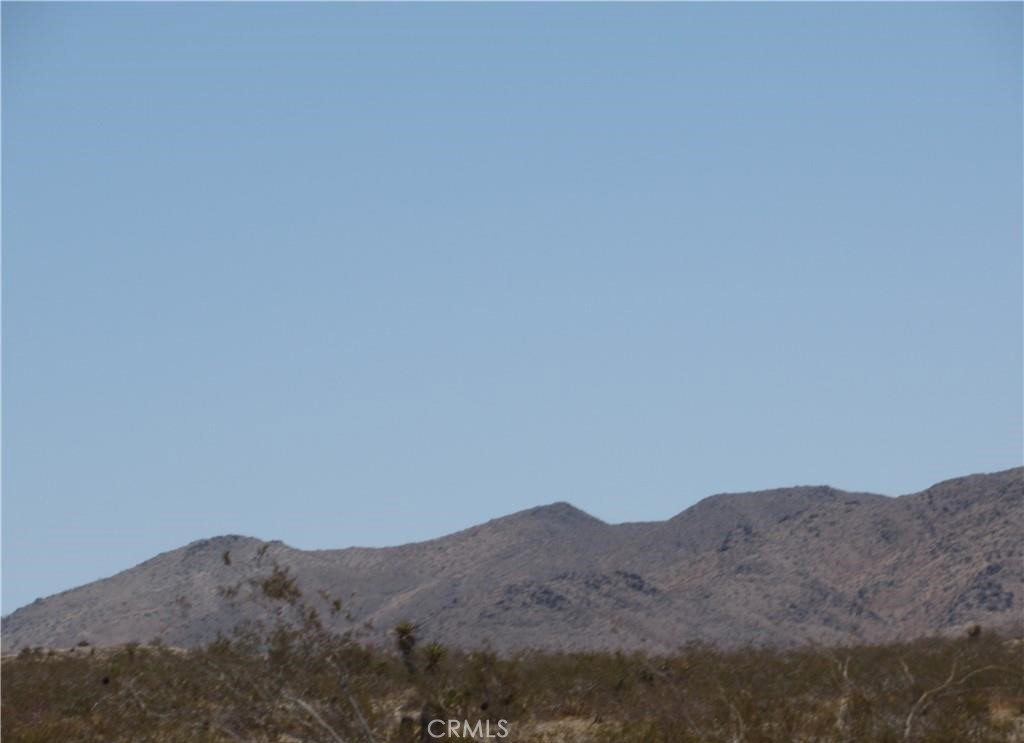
(280, 586)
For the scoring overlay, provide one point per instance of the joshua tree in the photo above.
(405, 637)
(434, 653)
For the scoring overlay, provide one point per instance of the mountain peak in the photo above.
(559, 515)
(561, 511)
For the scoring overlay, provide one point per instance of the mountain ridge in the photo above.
(780, 567)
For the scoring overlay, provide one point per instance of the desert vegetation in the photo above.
(289, 686)
(295, 681)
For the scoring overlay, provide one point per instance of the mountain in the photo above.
(778, 567)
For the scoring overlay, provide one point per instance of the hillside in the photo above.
(778, 567)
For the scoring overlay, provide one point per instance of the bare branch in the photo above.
(919, 704)
(316, 716)
(343, 682)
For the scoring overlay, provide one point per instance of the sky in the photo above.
(348, 274)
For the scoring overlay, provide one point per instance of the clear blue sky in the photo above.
(351, 274)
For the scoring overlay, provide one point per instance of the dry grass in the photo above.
(299, 682)
(289, 684)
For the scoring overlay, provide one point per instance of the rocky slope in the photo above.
(782, 566)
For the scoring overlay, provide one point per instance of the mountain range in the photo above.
(778, 567)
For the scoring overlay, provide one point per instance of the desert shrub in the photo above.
(311, 685)
(295, 680)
